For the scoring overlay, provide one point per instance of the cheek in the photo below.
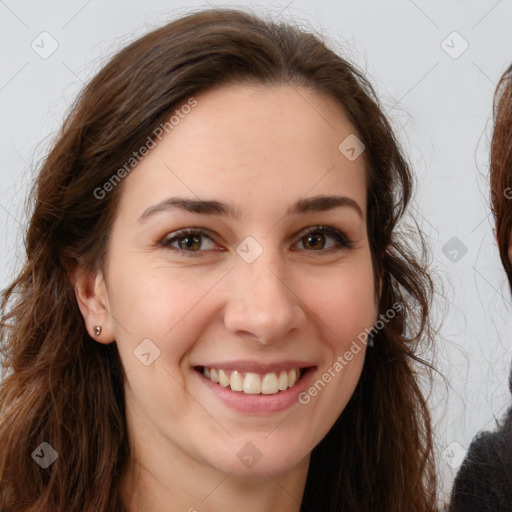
(347, 304)
(159, 306)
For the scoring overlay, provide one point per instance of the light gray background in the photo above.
(441, 107)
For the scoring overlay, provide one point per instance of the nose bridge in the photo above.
(261, 301)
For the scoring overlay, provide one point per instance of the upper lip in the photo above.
(257, 367)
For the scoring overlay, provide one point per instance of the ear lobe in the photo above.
(92, 298)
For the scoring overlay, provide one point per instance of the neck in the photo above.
(161, 476)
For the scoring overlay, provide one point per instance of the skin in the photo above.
(261, 149)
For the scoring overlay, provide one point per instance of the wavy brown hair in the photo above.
(501, 168)
(62, 387)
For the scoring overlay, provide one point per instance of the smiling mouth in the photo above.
(253, 383)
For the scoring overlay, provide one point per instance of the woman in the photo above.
(484, 481)
(212, 245)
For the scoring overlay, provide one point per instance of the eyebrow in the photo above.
(211, 207)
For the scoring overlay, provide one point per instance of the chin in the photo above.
(257, 459)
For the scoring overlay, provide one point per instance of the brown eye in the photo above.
(315, 239)
(191, 242)
(187, 242)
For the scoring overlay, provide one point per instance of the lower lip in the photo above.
(259, 404)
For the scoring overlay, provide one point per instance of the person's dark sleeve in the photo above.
(484, 481)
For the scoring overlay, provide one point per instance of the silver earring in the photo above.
(97, 330)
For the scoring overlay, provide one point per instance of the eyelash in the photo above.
(342, 240)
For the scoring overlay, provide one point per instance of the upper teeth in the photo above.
(253, 383)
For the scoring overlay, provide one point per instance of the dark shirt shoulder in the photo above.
(484, 480)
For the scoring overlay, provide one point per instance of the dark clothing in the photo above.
(484, 481)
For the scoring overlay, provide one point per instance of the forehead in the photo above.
(251, 145)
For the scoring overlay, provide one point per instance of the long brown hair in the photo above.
(501, 168)
(63, 388)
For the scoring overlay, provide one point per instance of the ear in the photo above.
(92, 298)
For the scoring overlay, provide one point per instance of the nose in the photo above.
(263, 303)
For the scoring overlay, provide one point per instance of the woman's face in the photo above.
(255, 293)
